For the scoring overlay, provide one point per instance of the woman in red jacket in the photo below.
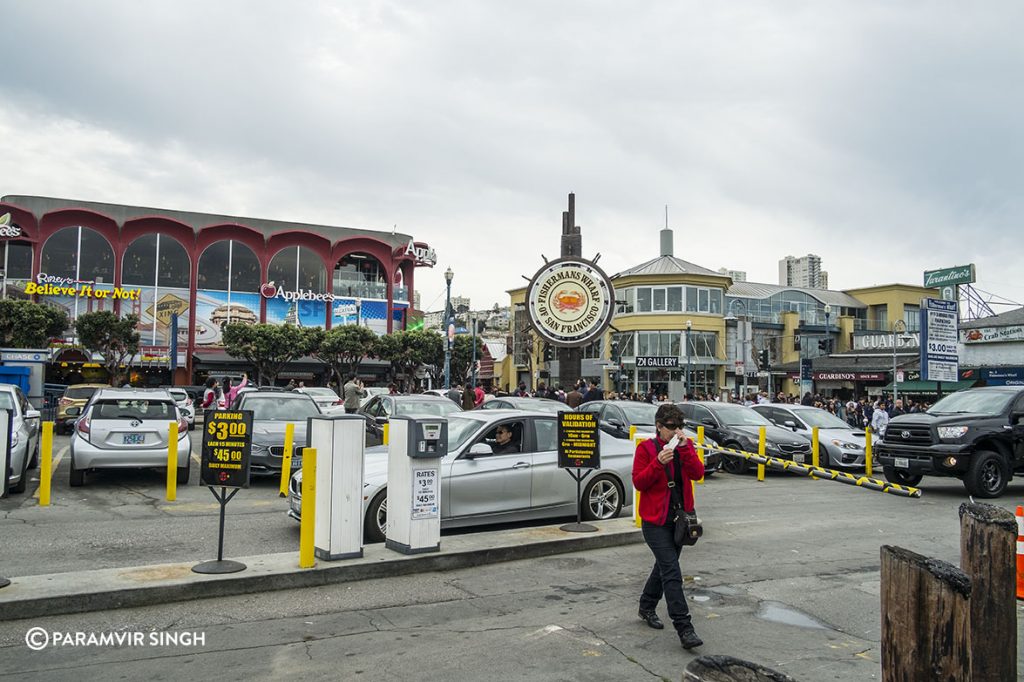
(650, 478)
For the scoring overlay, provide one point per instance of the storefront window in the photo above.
(297, 267)
(228, 289)
(675, 299)
(16, 258)
(139, 264)
(360, 275)
(79, 253)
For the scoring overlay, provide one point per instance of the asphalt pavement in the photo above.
(786, 575)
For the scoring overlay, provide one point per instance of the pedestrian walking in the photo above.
(353, 393)
(656, 468)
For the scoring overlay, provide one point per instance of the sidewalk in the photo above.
(97, 590)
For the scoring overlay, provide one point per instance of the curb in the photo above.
(115, 588)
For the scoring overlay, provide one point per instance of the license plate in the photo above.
(902, 462)
(296, 462)
(798, 458)
(134, 438)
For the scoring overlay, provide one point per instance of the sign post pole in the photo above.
(579, 453)
(227, 444)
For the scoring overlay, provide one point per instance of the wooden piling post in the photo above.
(729, 669)
(988, 536)
(925, 618)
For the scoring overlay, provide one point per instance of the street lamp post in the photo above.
(448, 274)
(689, 390)
(473, 322)
(898, 327)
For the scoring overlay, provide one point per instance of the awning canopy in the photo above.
(930, 386)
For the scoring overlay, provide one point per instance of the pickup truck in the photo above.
(976, 435)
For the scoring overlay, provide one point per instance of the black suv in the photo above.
(976, 435)
(738, 427)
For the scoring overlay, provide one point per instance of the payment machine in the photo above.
(339, 443)
(415, 449)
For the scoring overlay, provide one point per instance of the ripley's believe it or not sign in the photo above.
(570, 302)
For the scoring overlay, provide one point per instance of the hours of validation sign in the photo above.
(579, 442)
(227, 444)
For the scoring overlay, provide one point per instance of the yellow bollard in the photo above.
(815, 447)
(286, 462)
(760, 451)
(386, 429)
(306, 525)
(868, 461)
(172, 461)
(700, 449)
(45, 464)
(636, 493)
(632, 432)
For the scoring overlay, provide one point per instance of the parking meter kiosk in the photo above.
(339, 443)
(415, 449)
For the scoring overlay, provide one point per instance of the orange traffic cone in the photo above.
(1020, 552)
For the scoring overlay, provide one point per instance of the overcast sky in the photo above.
(883, 136)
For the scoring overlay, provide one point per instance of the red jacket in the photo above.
(649, 478)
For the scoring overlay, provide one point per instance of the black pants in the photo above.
(351, 410)
(666, 577)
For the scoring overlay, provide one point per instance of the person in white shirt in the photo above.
(879, 419)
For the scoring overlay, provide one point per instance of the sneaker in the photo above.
(652, 620)
(689, 639)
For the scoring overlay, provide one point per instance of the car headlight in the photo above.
(952, 432)
(846, 446)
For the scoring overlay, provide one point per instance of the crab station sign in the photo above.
(570, 302)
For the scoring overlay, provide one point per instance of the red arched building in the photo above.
(207, 269)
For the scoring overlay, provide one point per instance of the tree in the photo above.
(24, 324)
(408, 350)
(343, 348)
(268, 347)
(462, 355)
(115, 338)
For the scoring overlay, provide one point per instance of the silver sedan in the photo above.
(484, 483)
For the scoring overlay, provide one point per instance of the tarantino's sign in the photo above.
(570, 302)
(579, 444)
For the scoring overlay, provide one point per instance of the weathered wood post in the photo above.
(729, 669)
(988, 536)
(925, 619)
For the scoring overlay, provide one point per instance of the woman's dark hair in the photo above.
(226, 382)
(211, 382)
(668, 414)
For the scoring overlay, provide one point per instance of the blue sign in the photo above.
(1003, 376)
(940, 321)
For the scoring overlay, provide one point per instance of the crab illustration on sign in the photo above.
(568, 300)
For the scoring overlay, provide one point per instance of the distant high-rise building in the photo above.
(736, 275)
(416, 300)
(804, 272)
(460, 304)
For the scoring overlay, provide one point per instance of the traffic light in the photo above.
(549, 353)
(825, 345)
(765, 359)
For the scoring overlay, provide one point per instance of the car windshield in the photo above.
(134, 409)
(973, 402)
(821, 419)
(438, 408)
(735, 415)
(179, 395)
(80, 392)
(5, 401)
(320, 391)
(640, 413)
(460, 429)
(280, 408)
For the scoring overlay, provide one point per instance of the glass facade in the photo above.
(669, 299)
(79, 255)
(160, 268)
(360, 275)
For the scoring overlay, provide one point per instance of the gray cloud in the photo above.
(883, 137)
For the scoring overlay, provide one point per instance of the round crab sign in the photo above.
(570, 302)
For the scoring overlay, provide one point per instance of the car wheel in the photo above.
(21, 485)
(734, 464)
(192, 426)
(77, 477)
(183, 473)
(987, 474)
(894, 475)
(602, 499)
(376, 523)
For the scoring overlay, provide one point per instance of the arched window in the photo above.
(297, 267)
(80, 253)
(360, 275)
(139, 264)
(229, 265)
(16, 257)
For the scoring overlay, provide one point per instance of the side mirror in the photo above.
(790, 423)
(72, 411)
(479, 449)
(616, 423)
(381, 420)
(708, 421)
(32, 414)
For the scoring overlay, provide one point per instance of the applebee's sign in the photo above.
(271, 290)
(421, 253)
(8, 230)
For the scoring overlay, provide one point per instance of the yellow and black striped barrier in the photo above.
(820, 472)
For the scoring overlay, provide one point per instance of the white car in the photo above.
(324, 398)
(185, 405)
(127, 428)
(24, 436)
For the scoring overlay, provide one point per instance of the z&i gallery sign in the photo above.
(570, 302)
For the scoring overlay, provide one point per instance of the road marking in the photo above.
(195, 458)
(53, 469)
